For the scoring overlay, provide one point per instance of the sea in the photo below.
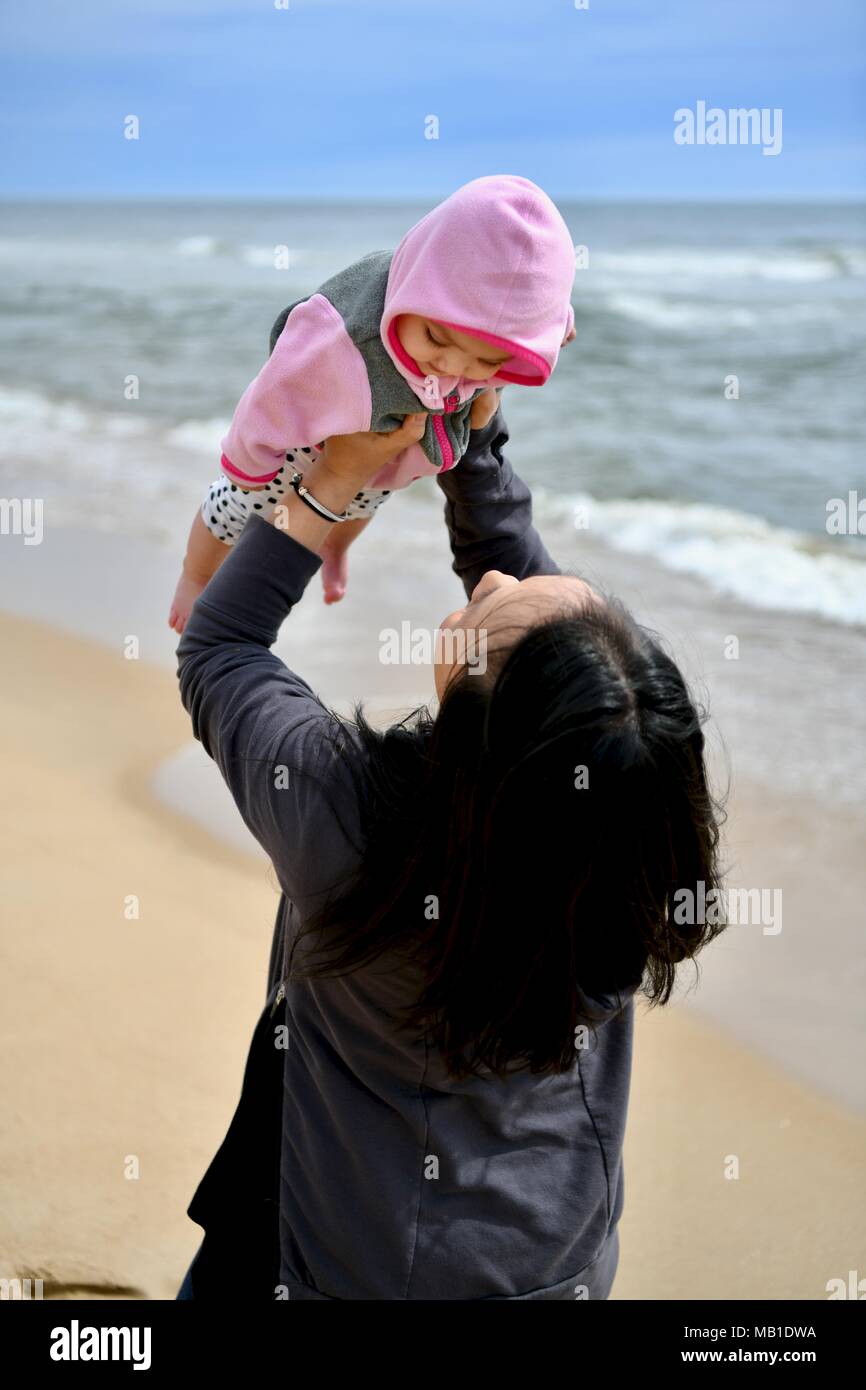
(698, 453)
(708, 419)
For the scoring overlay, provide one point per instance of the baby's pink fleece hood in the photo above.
(495, 260)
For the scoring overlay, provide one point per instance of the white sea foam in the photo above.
(198, 246)
(261, 256)
(22, 409)
(736, 553)
(676, 315)
(674, 266)
(247, 253)
(200, 436)
(264, 256)
(28, 418)
(668, 313)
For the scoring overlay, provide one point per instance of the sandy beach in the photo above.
(124, 1036)
(695, 454)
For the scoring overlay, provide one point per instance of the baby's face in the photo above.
(441, 351)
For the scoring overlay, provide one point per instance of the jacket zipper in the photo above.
(281, 992)
(450, 403)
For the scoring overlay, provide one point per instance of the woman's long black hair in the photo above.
(525, 846)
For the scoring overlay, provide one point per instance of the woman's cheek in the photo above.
(447, 625)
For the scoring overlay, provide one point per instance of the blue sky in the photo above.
(329, 97)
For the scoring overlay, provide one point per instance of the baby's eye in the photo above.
(432, 339)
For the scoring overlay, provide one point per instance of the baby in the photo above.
(477, 293)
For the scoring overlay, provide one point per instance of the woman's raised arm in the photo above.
(488, 511)
(263, 725)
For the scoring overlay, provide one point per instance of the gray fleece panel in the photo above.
(358, 295)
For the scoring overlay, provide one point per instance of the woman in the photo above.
(435, 1096)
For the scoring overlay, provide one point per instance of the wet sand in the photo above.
(124, 1036)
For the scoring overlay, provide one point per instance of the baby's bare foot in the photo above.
(335, 573)
(185, 595)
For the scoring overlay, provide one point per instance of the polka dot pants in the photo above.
(228, 505)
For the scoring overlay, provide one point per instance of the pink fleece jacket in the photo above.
(494, 260)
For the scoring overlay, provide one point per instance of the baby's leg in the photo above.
(334, 549)
(204, 555)
(223, 516)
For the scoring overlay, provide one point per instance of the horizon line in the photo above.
(378, 199)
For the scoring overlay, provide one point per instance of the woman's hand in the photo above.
(356, 458)
(344, 466)
(484, 407)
